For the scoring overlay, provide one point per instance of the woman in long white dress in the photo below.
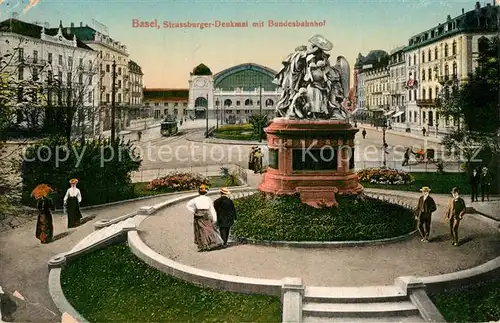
(206, 235)
(72, 201)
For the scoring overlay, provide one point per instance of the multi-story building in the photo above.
(160, 103)
(113, 55)
(397, 88)
(136, 90)
(55, 62)
(441, 58)
(377, 89)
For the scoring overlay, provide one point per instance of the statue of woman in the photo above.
(317, 90)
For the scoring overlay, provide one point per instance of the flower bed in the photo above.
(178, 182)
(285, 218)
(385, 176)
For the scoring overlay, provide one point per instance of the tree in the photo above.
(475, 105)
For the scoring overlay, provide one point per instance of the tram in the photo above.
(169, 127)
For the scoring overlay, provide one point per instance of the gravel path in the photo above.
(170, 234)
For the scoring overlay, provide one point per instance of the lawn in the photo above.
(113, 285)
(286, 218)
(236, 132)
(439, 183)
(480, 303)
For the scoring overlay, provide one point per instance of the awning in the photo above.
(389, 113)
(398, 114)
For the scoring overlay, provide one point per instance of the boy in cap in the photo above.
(456, 211)
(226, 213)
(426, 206)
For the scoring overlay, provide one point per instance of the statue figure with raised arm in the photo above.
(312, 88)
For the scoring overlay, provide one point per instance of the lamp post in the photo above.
(206, 111)
(113, 103)
(217, 112)
(260, 113)
(384, 143)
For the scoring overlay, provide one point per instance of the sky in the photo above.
(167, 55)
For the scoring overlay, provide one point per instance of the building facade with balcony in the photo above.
(441, 58)
(233, 94)
(397, 88)
(160, 103)
(110, 52)
(56, 63)
(377, 90)
(136, 90)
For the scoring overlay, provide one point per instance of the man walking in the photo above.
(485, 182)
(363, 133)
(426, 206)
(456, 211)
(424, 131)
(406, 157)
(474, 184)
(226, 213)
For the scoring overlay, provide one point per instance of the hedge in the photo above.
(286, 218)
(103, 176)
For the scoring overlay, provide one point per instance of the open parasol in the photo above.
(41, 190)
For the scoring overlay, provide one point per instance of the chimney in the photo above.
(81, 24)
(463, 11)
(72, 25)
(478, 5)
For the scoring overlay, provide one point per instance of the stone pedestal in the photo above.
(314, 158)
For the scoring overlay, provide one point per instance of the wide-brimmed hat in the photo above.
(425, 189)
(203, 188)
(225, 191)
(455, 190)
(73, 181)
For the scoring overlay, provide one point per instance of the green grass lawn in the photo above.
(113, 285)
(480, 303)
(236, 132)
(439, 183)
(141, 189)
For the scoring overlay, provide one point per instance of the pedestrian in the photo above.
(424, 131)
(426, 206)
(181, 122)
(485, 180)
(456, 211)
(258, 161)
(139, 135)
(474, 184)
(226, 213)
(206, 236)
(363, 133)
(406, 157)
(72, 201)
(251, 158)
(44, 226)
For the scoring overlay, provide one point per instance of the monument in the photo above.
(311, 142)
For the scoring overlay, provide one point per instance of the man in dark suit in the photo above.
(474, 184)
(456, 211)
(485, 180)
(426, 206)
(226, 213)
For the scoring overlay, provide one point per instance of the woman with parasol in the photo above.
(44, 226)
(72, 201)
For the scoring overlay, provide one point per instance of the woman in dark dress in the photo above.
(44, 227)
(72, 201)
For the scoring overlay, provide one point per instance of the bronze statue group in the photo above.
(255, 159)
(44, 225)
(212, 221)
(456, 206)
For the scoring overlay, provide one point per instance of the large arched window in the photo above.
(201, 102)
(248, 102)
(269, 103)
(228, 103)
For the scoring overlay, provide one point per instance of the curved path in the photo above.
(170, 233)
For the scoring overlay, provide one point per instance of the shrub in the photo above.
(229, 178)
(286, 218)
(177, 181)
(102, 168)
(384, 176)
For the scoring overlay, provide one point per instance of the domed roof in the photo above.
(202, 69)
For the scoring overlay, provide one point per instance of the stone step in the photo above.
(383, 309)
(368, 319)
(354, 294)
